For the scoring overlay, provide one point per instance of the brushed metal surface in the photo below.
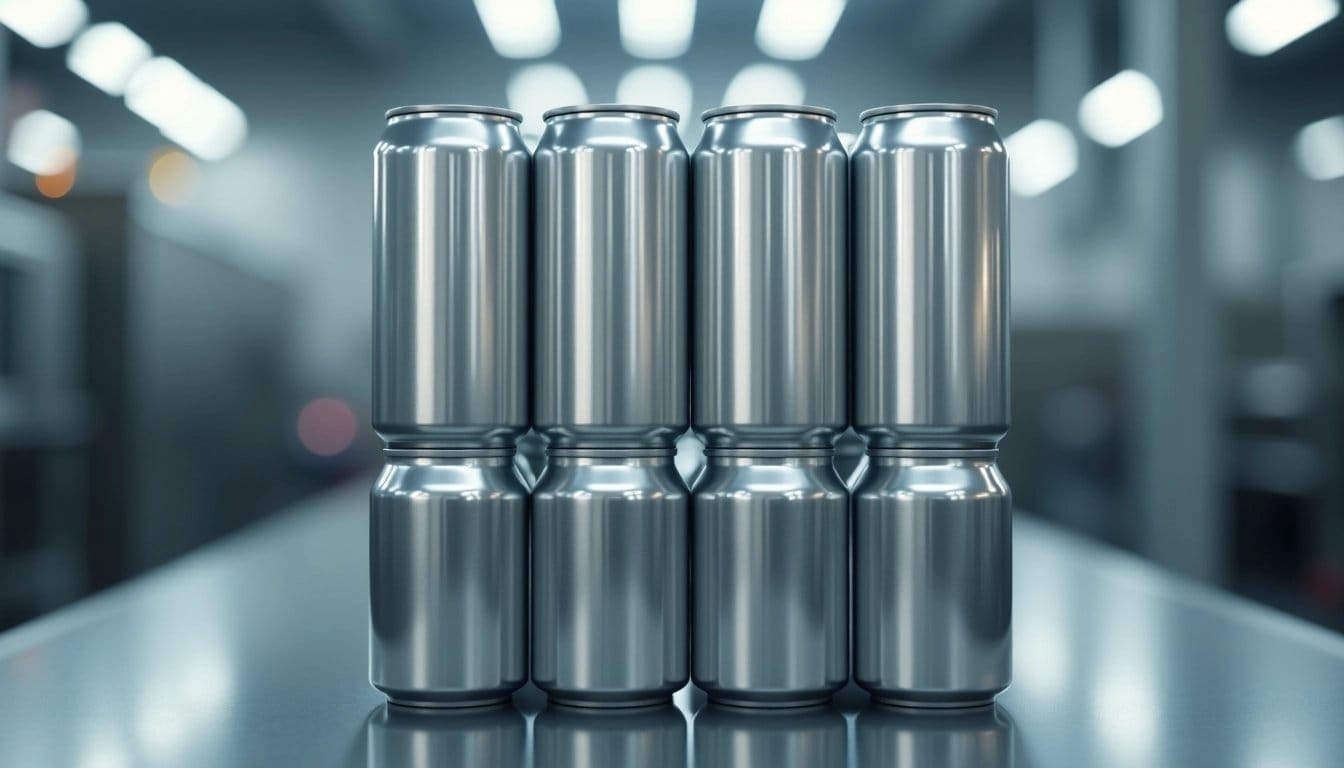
(893, 737)
(450, 287)
(612, 302)
(448, 578)
(609, 578)
(770, 576)
(412, 737)
(643, 737)
(737, 737)
(931, 312)
(771, 280)
(932, 578)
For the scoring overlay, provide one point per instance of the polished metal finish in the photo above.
(639, 737)
(895, 737)
(930, 239)
(771, 279)
(611, 309)
(609, 578)
(450, 261)
(448, 578)
(770, 575)
(932, 578)
(410, 737)
(733, 737)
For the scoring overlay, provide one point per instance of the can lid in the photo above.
(467, 109)
(638, 109)
(935, 106)
(744, 109)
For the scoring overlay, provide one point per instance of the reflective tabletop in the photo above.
(253, 651)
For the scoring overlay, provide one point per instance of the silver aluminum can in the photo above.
(898, 737)
(933, 578)
(733, 737)
(408, 737)
(611, 308)
(609, 577)
(770, 577)
(448, 577)
(930, 239)
(579, 737)
(450, 266)
(771, 278)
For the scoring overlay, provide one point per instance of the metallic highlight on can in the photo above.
(770, 576)
(582, 737)
(932, 578)
(771, 278)
(609, 577)
(611, 312)
(406, 737)
(930, 238)
(450, 287)
(448, 578)
(897, 737)
(733, 737)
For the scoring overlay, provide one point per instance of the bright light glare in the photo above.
(537, 88)
(520, 29)
(44, 23)
(764, 84)
(1121, 109)
(107, 55)
(797, 29)
(43, 143)
(1320, 149)
(848, 139)
(663, 86)
(656, 29)
(185, 110)
(1043, 153)
(1261, 27)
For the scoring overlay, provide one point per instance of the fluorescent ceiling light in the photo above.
(1043, 153)
(107, 55)
(663, 86)
(1261, 27)
(185, 110)
(535, 89)
(520, 29)
(1121, 109)
(44, 23)
(1320, 149)
(43, 143)
(656, 29)
(797, 29)
(764, 84)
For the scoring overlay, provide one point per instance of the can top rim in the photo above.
(574, 452)
(744, 109)
(467, 109)
(637, 109)
(935, 106)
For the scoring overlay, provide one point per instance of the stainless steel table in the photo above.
(252, 652)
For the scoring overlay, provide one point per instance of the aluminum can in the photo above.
(408, 737)
(581, 737)
(448, 577)
(609, 575)
(770, 577)
(896, 737)
(930, 238)
(771, 278)
(450, 288)
(611, 277)
(932, 578)
(733, 737)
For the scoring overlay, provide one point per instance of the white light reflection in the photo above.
(848, 139)
(1043, 153)
(107, 55)
(656, 29)
(1121, 109)
(535, 89)
(1261, 27)
(44, 23)
(764, 84)
(1125, 707)
(1320, 149)
(663, 86)
(186, 110)
(43, 143)
(797, 29)
(690, 458)
(520, 29)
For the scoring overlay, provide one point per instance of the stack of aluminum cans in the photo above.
(813, 287)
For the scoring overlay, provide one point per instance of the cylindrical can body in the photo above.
(450, 288)
(611, 309)
(770, 578)
(609, 577)
(894, 737)
(448, 578)
(579, 737)
(932, 578)
(406, 737)
(771, 279)
(732, 737)
(930, 239)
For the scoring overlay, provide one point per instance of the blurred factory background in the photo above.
(185, 240)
